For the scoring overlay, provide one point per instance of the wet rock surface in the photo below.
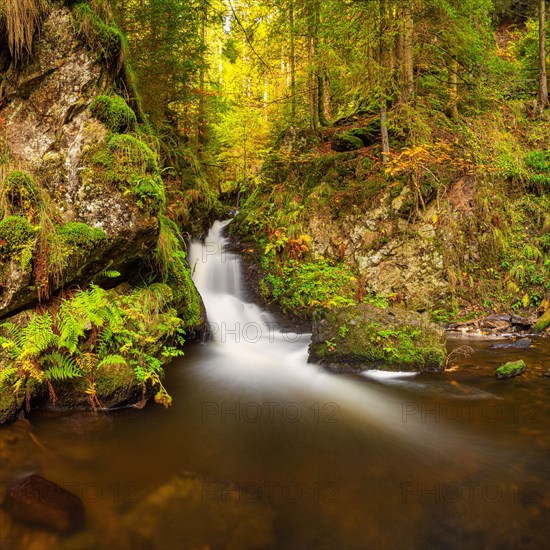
(499, 325)
(36, 500)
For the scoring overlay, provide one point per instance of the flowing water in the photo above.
(263, 450)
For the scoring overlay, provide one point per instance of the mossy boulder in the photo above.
(366, 337)
(346, 142)
(511, 369)
(543, 322)
(369, 135)
(16, 233)
(114, 113)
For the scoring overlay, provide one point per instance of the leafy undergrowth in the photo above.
(302, 287)
(482, 181)
(82, 334)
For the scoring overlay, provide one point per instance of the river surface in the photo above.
(262, 450)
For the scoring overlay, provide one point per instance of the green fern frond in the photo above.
(112, 360)
(61, 367)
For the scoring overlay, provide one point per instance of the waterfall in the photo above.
(250, 348)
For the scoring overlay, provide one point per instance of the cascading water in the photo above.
(262, 450)
(248, 343)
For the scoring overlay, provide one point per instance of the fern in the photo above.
(62, 367)
(111, 360)
(38, 335)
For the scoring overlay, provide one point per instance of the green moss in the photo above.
(20, 194)
(134, 152)
(81, 235)
(543, 322)
(303, 287)
(511, 369)
(16, 233)
(114, 113)
(129, 163)
(346, 142)
(103, 38)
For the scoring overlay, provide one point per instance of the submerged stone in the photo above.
(524, 343)
(38, 501)
(511, 369)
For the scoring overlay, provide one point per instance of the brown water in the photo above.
(261, 450)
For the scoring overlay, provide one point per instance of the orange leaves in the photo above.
(415, 158)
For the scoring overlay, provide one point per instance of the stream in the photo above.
(262, 450)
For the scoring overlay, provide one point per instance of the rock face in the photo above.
(39, 501)
(82, 201)
(392, 254)
(47, 130)
(366, 337)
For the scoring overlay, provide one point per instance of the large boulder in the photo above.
(366, 337)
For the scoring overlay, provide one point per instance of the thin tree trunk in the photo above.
(201, 123)
(326, 95)
(543, 80)
(384, 76)
(404, 50)
(408, 60)
(292, 63)
(313, 24)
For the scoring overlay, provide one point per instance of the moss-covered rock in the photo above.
(369, 135)
(367, 337)
(81, 236)
(543, 321)
(346, 142)
(102, 37)
(114, 112)
(16, 234)
(511, 369)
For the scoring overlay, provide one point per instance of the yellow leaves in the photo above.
(414, 158)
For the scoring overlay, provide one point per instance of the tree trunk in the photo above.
(404, 50)
(201, 122)
(543, 80)
(326, 86)
(313, 26)
(292, 62)
(385, 76)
